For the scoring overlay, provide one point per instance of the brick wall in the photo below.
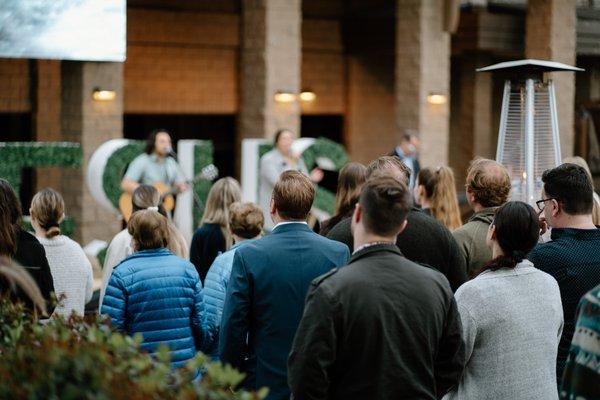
(181, 62)
(14, 85)
(323, 66)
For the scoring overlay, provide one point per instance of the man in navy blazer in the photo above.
(268, 286)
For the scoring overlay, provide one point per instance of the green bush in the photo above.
(79, 359)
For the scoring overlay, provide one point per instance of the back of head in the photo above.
(47, 209)
(246, 220)
(489, 182)
(149, 229)
(146, 196)
(571, 186)
(351, 179)
(222, 194)
(517, 232)
(386, 165)
(385, 203)
(10, 216)
(441, 191)
(293, 196)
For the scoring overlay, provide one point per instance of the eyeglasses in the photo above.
(541, 204)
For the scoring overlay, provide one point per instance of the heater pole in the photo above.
(529, 141)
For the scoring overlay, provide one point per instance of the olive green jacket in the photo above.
(471, 240)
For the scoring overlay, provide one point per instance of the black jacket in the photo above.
(32, 256)
(382, 327)
(208, 241)
(425, 241)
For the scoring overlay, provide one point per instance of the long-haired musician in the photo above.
(155, 165)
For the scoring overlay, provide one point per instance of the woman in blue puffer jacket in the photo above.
(245, 222)
(157, 294)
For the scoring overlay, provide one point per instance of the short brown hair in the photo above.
(489, 182)
(150, 230)
(293, 195)
(385, 202)
(245, 220)
(384, 164)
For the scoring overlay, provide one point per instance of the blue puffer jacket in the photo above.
(215, 287)
(159, 295)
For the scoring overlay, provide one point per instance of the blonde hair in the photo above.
(223, 193)
(440, 189)
(582, 163)
(47, 209)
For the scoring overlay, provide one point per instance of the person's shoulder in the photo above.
(340, 229)
(544, 252)
(26, 237)
(141, 158)
(423, 222)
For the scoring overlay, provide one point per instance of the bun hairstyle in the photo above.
(47, 209)
(385, 202)
(517, 232)
(440, 189)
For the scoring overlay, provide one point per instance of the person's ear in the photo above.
(403, 226)
(61, 219)
(493, 232)
(272, 208)
(555, 207)
(357, 216)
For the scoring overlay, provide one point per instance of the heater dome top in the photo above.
(529, 66)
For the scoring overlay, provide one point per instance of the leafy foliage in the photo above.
(77, 359)
(17, 155)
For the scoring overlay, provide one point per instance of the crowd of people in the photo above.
(388, 299)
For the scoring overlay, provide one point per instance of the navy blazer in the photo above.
(265, 301)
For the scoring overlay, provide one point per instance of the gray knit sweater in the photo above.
(512, 322)
(71, 273)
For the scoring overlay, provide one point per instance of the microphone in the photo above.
(171, 152)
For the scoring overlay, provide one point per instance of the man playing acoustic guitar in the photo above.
(155, 167)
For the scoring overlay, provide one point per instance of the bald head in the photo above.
(388, 165)
(488, 183)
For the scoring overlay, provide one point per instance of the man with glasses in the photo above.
(572, 256)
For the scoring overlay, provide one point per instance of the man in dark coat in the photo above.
(268, 285)
(382, 327)
(425, 240)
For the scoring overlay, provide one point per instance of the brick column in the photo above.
(472, 131)
(423, 67)
(91, 123)
(551, 35)
(45, 115)
(271, 60)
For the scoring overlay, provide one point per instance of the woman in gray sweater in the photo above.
(511, 315)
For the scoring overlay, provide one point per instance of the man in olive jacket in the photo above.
(487, 188)
(382, 327)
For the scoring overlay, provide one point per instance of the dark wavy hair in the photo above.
(10, 219)
(151, 140)
(517, 232)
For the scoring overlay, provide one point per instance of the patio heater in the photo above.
(528, 137)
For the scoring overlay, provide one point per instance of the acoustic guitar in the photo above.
(208, 173)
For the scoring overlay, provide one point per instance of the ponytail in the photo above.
(48, 208)
(517, 231)
(440, 189)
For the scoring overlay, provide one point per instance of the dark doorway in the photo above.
(329, 126)
(16, 127)
(220, 129)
